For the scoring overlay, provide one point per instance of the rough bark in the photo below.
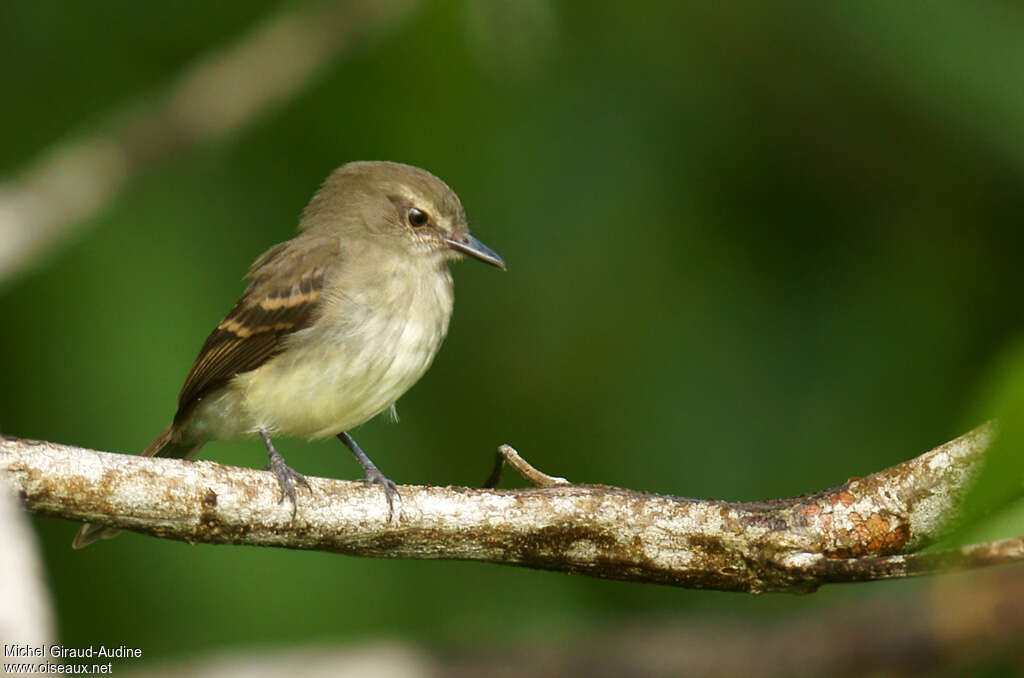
(866, 528)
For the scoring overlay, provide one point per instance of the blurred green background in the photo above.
(753, 251)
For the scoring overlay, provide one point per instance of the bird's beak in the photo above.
(467, 244)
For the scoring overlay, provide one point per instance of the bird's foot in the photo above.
(287, 477)
(375, 477)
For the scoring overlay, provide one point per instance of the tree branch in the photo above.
(853, 532)
(26, 612)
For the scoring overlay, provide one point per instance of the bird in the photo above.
(334, 326)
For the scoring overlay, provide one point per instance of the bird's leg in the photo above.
(285, 474)
(373, 474)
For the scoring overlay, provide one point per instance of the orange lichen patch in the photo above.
(875, 524)
(871, 536)
(812, 510)
(897, 539)
(844, 498)
(872, 532)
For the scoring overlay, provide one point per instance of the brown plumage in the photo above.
(334, 325)
(271, 308)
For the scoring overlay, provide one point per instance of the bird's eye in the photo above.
(417, 217)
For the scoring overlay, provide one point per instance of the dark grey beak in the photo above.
(467, 244)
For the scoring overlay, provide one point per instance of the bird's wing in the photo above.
(281, 299)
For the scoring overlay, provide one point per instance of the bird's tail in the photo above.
(167, 444)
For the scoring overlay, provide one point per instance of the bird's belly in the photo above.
(328, 383)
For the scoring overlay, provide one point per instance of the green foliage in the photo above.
(1001, 478)
(754, 249)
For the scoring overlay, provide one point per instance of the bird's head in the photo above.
(396, 205)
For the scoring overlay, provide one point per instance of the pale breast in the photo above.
(364, 352)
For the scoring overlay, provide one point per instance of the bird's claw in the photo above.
(286, 479)
(375, 477)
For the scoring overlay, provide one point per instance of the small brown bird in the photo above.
(335, 325)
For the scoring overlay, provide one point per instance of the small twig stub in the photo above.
(507, 455)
